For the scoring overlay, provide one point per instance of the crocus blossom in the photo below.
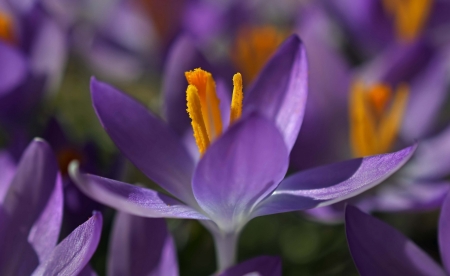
(239, 174)
(31, 215)
(379, 249)
(143, 246)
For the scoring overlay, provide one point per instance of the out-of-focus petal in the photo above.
(332, 183)
(262, 266)
(13, 68)
(130, 198)
(145, 140)
(26, 198)
(73, 253)
(45, 232)
(183, 56)
(238, 170)
(378, 249)
(7, 171)
(444, 233)
(141, 246)
(280, 90)
(23, 6)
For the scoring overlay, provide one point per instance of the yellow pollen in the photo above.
(253, 47)
(198, 125)
(203, 106)
(237, 98)
(373, 125)
(409, 16)
(6, 28)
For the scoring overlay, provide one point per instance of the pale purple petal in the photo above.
(130, 198)
(280, 90)
(45, 232)
(242, 167)
(379, 249)
(142, 247)
(145, 140)
(73, 253)
(13, 68)
(7, 171)
(23, 6)
(33, 184)
(332, 183)
(444, 233)
(261, 266)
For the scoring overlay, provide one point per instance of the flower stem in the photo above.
(225, 249)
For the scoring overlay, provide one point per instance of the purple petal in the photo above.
(182, 57)
(333, 183)
(13, 68)
(87, 271)
(141, 246)
(263, 266)
(130, 198)
(33, 184)
(379, 249)
(7, 171)
(281, 88)
(243, 166)
(444, 233)
(145, 140)
(45, 232)
(73, 253)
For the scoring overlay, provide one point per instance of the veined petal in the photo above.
(26, 198)
(332, 183)
(73, 253)
(145, 140)
(141, 246)
(130, 198)
(261, 266)
(444, 233)
(183, 56)
(242, 167)
(45, 232)
(378, 249)
(280, 90)
(13, 68)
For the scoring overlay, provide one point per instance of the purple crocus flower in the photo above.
(240, 174)
(31, 205)
(143, 246)
(379, 249)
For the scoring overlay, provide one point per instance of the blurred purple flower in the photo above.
(31, 205)
(238, 177)
(143, 246)
(379, 249)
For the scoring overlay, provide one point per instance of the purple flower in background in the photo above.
(31, 204)
(379, 249)
(239, 175)
(143, 246)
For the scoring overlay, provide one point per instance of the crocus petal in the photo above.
(263, 266)
(281, 88)
(243, 166)
(130, 198)
(145, 140)
(27, 197)
(7, 170)
(183, 56)
(444, 233)
(379, 249)
(141, 246)
(73, 253)
(87, 271)
(332, 183)
(13, 68)
(45, 232)
(23, 6)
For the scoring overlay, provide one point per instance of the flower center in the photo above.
(409, 16)
(375, 117)
(253, 47)
(203, 106)
(7, 28)
(65, 156)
